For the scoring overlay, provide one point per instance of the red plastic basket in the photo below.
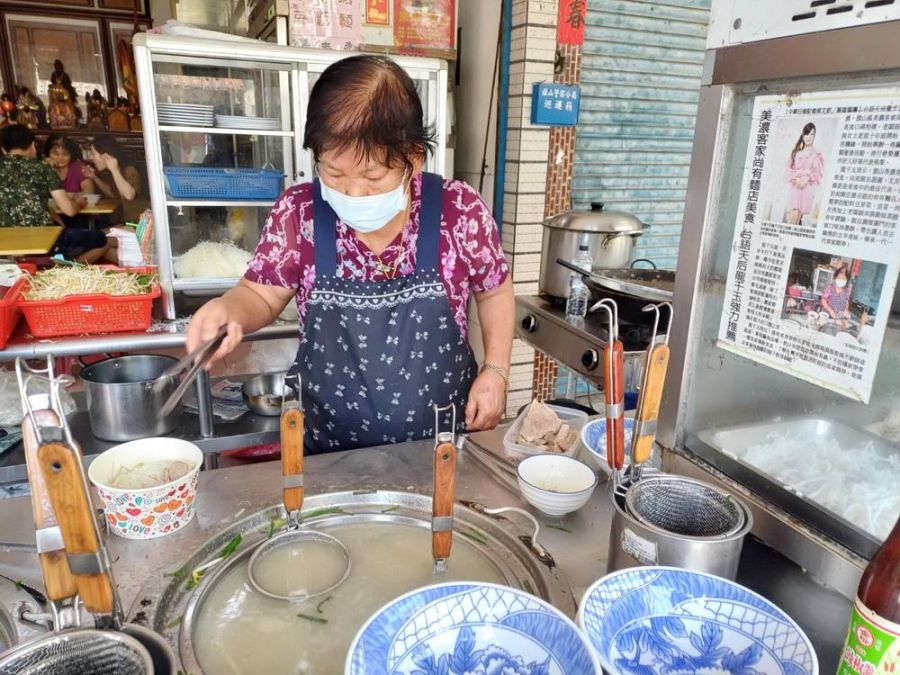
(89, 314)
(10, 313)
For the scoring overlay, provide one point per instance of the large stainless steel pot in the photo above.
(167, 605)
(609, 235)
(123, 404)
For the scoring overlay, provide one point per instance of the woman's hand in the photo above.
(87, 171)
(487, 402)
(111, 162)
(206, 324)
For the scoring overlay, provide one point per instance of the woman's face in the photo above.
(97, 159)
(809, 138)
(840, 279)
(355, 176)
(59, 156)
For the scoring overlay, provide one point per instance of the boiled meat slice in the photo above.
(539, 426)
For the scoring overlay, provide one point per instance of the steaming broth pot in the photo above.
(223, 626)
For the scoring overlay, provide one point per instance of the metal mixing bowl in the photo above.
(264, 393)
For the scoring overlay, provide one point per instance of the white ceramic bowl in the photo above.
(150, 512)
(91, 197)
(555, 484)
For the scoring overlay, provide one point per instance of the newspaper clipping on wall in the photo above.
(816, 248)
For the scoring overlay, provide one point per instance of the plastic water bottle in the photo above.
(579, 294)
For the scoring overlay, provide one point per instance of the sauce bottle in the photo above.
(873, 639)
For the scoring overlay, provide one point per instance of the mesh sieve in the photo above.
(80, 651)
(684, 506)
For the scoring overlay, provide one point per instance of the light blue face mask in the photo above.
(369, 213)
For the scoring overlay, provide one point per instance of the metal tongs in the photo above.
(192, 363)
(613, 389)
(444, 488)
(655, 366)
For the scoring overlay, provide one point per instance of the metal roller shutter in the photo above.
(640, 80)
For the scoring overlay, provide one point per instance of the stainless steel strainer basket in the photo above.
(78, 651)
(684, 506)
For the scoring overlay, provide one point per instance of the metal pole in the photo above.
(204, 404)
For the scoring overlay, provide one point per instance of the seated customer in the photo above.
(26, 183)
(63, 155)
(123, 182)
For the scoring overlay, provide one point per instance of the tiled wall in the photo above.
(533, 49)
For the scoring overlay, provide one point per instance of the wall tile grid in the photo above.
(532, 54)
(560, 161)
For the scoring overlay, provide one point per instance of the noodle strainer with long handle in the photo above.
(277, 568)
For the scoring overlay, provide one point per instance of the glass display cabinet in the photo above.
(785, 376)
(223, 129)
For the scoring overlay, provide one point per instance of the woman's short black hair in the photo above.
(367, 104)
(62, 141)
(107, 145)
(16, 137)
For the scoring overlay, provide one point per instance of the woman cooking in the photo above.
(381, 259)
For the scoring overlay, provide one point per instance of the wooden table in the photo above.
(103, 207)
(28, 240)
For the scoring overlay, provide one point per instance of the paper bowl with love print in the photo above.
(664, 621)
(122, 474)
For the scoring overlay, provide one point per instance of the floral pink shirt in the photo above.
(471, 255)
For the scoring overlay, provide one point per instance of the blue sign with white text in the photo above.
(555, 104)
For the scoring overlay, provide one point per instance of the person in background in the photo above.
(26, 183)
(62, 153)
(123, 182)
(836, 297)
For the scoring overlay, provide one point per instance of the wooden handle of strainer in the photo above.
(292, 456)
(58, 580)
(64, 475)
(651, 396)
(442, 501)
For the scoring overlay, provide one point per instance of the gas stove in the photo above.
(579, 346)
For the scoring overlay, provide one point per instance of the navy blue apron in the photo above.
(375, 357)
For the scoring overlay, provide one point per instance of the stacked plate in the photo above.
(250, 123)
(185, 114)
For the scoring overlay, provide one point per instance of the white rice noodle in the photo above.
(857, 483)
(213, 260)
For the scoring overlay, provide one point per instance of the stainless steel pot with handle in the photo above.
(609, 235)
(123, 403)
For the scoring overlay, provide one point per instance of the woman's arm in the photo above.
(487, 397)
(243, 309)
(66, 205)
(125, 188)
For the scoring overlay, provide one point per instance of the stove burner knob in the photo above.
(529, 323)
(590, 358)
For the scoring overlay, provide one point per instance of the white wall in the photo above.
(160, 11)
(479, 22)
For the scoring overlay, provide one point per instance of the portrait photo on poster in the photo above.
(833, 294)
(803, 149)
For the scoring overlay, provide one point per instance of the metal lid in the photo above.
(597, 220)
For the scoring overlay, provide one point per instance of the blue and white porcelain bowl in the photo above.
(469, 627)
(593, 437)
(668, 621)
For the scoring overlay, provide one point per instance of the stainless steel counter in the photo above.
(161, 336)
(578, 542)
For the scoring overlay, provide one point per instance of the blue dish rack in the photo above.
(211, 183)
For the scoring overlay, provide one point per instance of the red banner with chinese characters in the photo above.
(572, 17)
(428, 24)
(378, 12)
